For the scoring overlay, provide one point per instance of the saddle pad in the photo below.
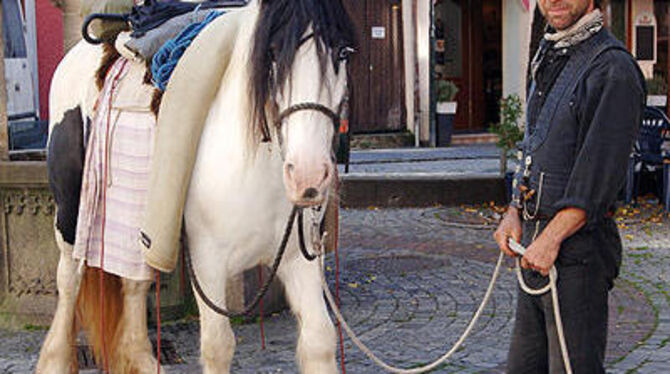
(115, 180)
(167, 57)
(181, 118)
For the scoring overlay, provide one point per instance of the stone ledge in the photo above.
(23, 173)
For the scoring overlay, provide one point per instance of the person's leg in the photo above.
(528, 349)
(583, 295)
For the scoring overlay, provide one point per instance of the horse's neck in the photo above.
(232, 106)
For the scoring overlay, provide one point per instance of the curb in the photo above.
(396, 190)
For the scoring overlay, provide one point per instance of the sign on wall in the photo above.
(644, 42)
(378, 32)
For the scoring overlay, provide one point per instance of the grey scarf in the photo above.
(583, 29)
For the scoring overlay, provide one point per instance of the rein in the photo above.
(296, 211)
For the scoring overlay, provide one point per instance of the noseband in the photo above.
(307, 107)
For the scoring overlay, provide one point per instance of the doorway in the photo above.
(468, 51)
(377, 67)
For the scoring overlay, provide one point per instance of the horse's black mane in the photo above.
(280, 28)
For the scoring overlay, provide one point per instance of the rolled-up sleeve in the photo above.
(611, 114)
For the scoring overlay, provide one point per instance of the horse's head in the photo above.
(300, 88)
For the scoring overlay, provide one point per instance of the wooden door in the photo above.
(377, 66)
(469, 116)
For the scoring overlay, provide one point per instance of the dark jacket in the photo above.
(578, 143)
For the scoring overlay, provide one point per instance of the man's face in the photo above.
(562, 14)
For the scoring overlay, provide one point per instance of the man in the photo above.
(585, 101)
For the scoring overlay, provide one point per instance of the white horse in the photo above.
(287, 52)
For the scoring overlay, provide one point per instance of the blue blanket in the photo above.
(167, 57)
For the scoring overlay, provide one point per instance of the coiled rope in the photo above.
(167, 57)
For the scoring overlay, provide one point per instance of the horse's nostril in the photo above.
(310, 193)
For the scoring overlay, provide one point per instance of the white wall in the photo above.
(423, 59)
(516, 38)
(409, 46)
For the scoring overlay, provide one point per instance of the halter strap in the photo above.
(307, 106)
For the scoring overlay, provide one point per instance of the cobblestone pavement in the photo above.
(411, 280)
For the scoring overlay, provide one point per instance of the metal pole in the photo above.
(431, 79)
(4, 138)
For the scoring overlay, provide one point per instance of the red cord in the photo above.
(337, 282)
(260, 307)
(105, 357)
(158, 321)
(182, 275)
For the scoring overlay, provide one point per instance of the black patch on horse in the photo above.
(281, 26)
(65, 165)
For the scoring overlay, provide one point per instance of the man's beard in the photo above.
(572, 17)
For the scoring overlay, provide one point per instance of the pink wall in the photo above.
(49, 48)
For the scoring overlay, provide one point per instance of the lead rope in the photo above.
(551, 286)
(319, 253)
(553, 277)
(422, 369)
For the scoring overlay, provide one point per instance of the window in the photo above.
(13, 29)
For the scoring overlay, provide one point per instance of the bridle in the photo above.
(339, 119)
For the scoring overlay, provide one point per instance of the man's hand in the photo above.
(541, 255)
(510, 227)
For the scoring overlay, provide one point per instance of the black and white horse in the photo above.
(286, 52)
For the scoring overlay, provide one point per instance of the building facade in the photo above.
(480, 45)
(404, 47)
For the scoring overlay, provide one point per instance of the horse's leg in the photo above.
(316, 340)
(217, 340)
(134, 349)
(57, 354)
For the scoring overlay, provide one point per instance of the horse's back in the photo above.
(73, 82)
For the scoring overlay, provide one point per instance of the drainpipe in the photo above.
(4, 138)
(431, 79)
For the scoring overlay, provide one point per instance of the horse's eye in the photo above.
(345, 52)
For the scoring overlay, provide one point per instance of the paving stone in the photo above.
(429, 278)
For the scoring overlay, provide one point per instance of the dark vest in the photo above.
(550, 148)
(551, 144)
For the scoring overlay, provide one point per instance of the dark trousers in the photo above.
(582, 289)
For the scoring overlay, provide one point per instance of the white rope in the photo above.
(553, 277)
(425, 368)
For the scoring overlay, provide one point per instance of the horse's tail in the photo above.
(101, 324)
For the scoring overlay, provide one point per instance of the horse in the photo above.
(261, 153)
